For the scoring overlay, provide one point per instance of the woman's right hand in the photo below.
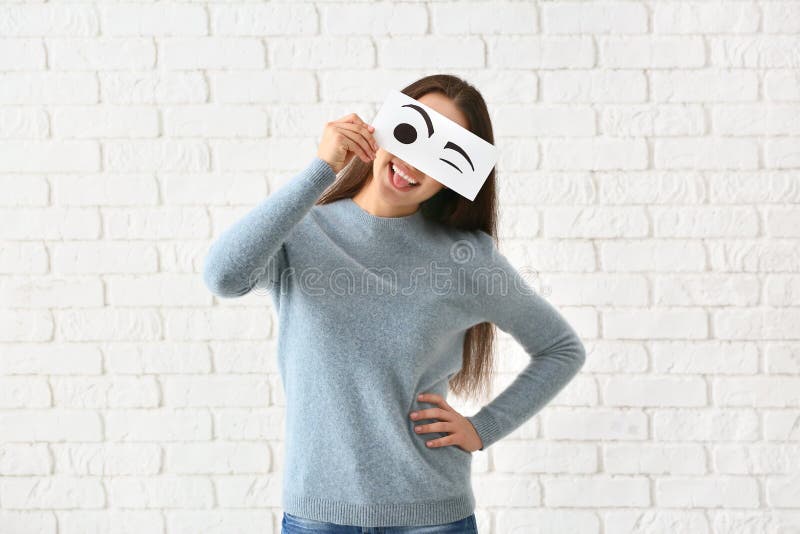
(344, 138)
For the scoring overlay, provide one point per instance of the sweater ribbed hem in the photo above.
(380, 515)
(486, 427)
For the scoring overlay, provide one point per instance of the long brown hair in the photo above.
(449, 208)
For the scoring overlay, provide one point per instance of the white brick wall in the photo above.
(650, 170)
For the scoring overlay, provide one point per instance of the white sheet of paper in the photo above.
(434, 144)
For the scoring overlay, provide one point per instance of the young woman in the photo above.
(386, 293)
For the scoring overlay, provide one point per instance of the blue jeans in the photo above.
(293, 524)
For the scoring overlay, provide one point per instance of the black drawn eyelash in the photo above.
(428, 122)
(452, 165)
(460, 150)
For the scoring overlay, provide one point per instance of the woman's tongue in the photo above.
(399, 181)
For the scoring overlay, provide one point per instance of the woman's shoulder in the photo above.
(483, 241)
(474, 247)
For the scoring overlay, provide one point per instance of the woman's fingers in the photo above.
(444, 426)
(433, 413)
(345, 138)
(352, 118)
(355, 134)
(434, 398)
(450, 439)
(364, 128)
(351, 143)
(443, 442)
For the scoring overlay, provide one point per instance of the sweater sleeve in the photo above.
(251, 251)
(556, 351)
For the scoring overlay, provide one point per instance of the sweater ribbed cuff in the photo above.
(321, 172)
(486, 427)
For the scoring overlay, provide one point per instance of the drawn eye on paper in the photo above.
(434, 144)
(406, 133)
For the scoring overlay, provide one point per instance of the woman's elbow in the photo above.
(219, 284)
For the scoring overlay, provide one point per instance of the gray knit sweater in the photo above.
(372, 311)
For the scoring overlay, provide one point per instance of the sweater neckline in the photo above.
(376, 221)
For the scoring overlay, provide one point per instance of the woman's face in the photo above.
(400, 192)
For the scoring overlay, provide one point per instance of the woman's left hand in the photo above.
(462, 433)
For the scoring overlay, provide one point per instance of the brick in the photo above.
(782, 153)
(772, 391)
(105, 392)
(654, 459)
(217, 458)
(49, 156)
(227, 520)
(51, 359)
(23, 122)
(597, 424)
(94, 257)
(251, 491)
(710, 289)
(650, 187)
(781, 17)
(703, 17)
(395, 19)
(707, 85)
(155, 20)
(215, 121)
(161, 425)
(53, 492)
(526, 52)
(602, 17)
(101, 53)
(756, 323)
(51, 425)
(186, 53)
(670, 120)
(654, 52)
(24, 392)
(710, 424)
(75, 20)
(95, 324)
(755, 119)
(223, 391)
(705, 221)
(595, 221)
(781, 85)
(719, 491)
(761, 51)
(528, 121)
(595, 154)
(705, 357)
(673, 323)
(26, 325)
(308, 52)
(598, 491)
(762, 459)
(753, 255)
(24, 459)
(431, 52)
(706, 153)
(106, 459)
(594, 86)
(264, 19)
(164, 491)
(99, 521)
(654, 391)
